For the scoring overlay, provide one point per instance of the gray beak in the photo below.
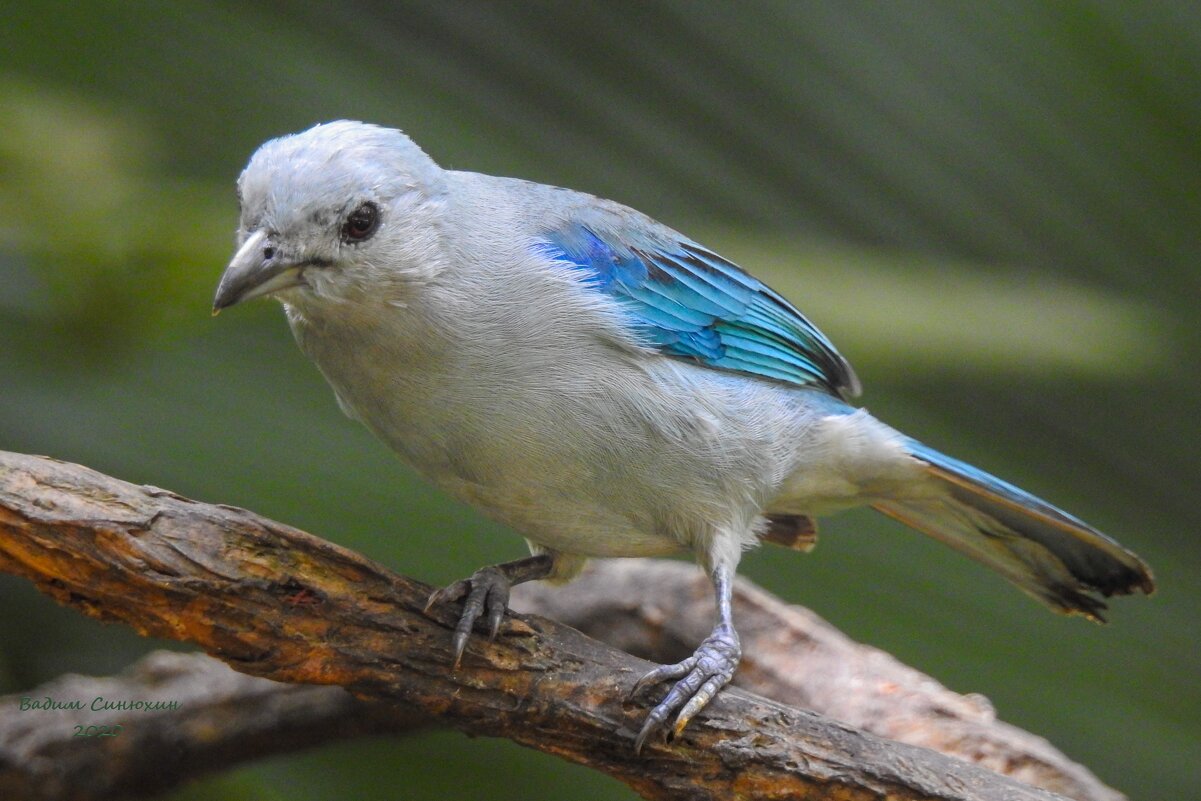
(254, 271)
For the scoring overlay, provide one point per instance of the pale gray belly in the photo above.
(633, 459)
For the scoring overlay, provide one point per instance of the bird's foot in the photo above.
(487, 593)
(700, 677)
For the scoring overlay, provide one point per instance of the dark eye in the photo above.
(361, 223)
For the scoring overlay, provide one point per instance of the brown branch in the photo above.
(658, 610)
(275, 602)
(654, 609)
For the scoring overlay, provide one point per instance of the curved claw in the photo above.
(448, 594)
(486, 590)
(703, 675)
(661, 674)
(496, 606)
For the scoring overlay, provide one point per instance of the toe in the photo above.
(448, 594)
(486, 594)
(701, 677)
(661, 674)
(654, 722)
(496, 613)
(473, 607)
(697, 702)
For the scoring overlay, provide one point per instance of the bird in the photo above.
(605, 386)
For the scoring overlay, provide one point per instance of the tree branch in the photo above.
(659, 610)
(275, 602)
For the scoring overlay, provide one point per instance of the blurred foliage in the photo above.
(108, 257)
(993, 208)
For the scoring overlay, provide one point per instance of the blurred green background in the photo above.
(991, 207)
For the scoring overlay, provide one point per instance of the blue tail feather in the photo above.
(1052, 555)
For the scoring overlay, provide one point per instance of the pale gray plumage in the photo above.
(490, 361)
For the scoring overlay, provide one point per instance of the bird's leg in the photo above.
(488, 591)
(701, 675)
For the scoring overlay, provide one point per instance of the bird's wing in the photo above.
(690, 303)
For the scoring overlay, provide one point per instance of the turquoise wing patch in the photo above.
(691, 303)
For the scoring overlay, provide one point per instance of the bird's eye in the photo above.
(361, 223)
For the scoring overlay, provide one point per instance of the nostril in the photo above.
(268, 253)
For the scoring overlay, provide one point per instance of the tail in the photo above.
(1046, 552)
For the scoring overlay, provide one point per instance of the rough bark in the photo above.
(659, 610)
(275, 602)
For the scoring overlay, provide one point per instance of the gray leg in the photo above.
(700, 675)
(488, 589)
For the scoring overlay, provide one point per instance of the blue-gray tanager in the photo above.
(603, 384)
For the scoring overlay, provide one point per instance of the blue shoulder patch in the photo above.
(691, 303)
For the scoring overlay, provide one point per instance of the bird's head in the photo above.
(341, 212)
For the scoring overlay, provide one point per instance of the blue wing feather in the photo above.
(691, 303)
